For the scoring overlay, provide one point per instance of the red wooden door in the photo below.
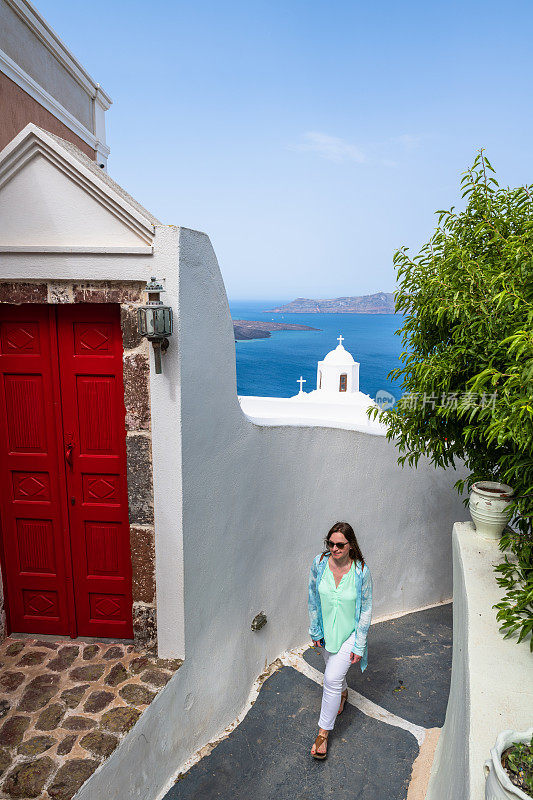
(90, 343)
(34, 510)
(65, 532)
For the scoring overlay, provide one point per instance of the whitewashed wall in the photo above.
(240, 512)
(492, 678)
(255, 503)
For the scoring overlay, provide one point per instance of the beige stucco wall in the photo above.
(21, 44)
(18, 109)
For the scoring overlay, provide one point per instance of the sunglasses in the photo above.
(340, 545)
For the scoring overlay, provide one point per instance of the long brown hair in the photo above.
(348, 532)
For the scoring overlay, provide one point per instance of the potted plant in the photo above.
(489, 507)
(509, 770)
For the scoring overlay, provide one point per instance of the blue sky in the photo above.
(308, 139)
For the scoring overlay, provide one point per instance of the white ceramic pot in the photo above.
(497, 784)
(489, 507)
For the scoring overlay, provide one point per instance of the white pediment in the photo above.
(51, 199)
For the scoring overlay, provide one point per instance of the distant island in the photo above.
(248, 329)
(379, 303)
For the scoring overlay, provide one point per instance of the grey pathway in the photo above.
(267, 755)
(409, 666)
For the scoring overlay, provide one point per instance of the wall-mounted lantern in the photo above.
(155, 321)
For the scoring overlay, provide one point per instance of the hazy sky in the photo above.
(308, 139)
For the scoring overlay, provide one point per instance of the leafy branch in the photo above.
(467, 301)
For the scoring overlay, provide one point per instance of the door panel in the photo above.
(34, 520)
(90, 341)
(64, 513)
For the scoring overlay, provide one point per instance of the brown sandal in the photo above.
(318, 741)
(344, 696)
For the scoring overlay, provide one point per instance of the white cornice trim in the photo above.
(33, 141)
(31, 87)
(133, 251)
(38, 25)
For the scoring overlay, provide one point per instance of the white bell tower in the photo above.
(336, 401)
(338, 373)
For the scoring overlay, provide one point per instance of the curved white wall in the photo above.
(254, 505)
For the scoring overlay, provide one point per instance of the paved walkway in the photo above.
(402, 694)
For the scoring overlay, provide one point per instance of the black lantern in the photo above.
(155, 320)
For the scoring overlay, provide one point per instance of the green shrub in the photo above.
(518, 761)
(467, 361)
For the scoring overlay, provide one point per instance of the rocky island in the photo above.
(379, 303)
(250, 329)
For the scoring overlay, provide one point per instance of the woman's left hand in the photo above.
(354, 658)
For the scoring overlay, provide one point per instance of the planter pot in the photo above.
(497, 785)
(489, 507)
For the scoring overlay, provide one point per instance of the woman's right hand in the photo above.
(317, 642)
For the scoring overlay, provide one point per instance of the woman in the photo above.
(340, 610)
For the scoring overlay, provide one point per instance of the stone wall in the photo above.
(136, 366)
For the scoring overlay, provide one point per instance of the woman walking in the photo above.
(340, 610)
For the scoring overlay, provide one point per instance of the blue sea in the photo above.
(271, 367)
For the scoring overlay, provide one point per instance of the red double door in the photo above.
(64, 509)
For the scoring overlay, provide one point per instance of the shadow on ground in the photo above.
(267, 755)
(409, 666)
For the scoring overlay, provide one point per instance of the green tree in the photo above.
(467, 361)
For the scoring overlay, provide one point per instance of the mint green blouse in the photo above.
(338, 607)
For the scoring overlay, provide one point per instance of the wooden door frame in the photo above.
(136, 375)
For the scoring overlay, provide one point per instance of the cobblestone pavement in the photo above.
(64, 708)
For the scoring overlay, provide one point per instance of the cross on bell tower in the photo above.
(301, 380)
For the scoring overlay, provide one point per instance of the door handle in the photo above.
(68, 453)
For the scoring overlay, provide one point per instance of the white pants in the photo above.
(334, 682)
